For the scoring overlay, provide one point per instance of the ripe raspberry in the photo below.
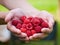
(33, 32)
(15, 22)
(41, 20)
(23, 30)
(44, 25)
(29, 26)
(23, 25)
(23, 18)
(28, 33)
(18, 26)
(26, 21)
(30, 18)
(35, 21)
(38, 29)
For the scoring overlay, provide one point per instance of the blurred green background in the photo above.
(50, 6)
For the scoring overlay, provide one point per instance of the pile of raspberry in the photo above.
(30, 25)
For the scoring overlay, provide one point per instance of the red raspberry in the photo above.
(33, 32)
(23, 25)
(38, 29)
(23, 30)
(18, 26)
(36, 18)
(41, 20)
(15, 22)
(26, 21)
(44, 25)
(35, 21)
(29, 26)
(23, 18)
(28, 33)
(30, 18)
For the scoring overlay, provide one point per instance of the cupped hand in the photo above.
(16, 13)
(48, 18)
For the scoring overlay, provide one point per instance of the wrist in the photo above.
(29, 8)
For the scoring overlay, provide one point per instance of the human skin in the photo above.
(23, 4)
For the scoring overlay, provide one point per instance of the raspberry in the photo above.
(23, 18)
(44, 25)
(38, 29)
(28, 33)
(26, 21)
(33, 32)
(23, 25)
(29, 26)
(35, 21)
(30, 18)
(23, 30)
(15, 22)
(18, 26)
(41, 20)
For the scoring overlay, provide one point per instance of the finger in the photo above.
(38, 36)
(17, 35)
(9, 17)
(50, 19)
(23, 35)
(26, 39)
(46, 30)
(13, 28)
(51, 22)
(35, 36)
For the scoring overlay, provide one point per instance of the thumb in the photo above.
(46, 30)
(9, 17)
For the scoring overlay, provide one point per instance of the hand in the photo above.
(41, 14)
(15, 14)
(47, 17)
